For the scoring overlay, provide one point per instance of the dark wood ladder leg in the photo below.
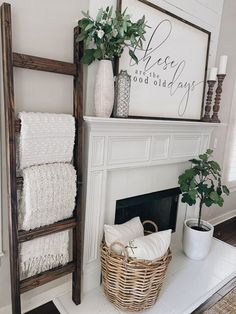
(9, 108)
(78, 114)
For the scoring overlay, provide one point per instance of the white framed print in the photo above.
(169, 79)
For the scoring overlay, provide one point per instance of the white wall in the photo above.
(43, 28)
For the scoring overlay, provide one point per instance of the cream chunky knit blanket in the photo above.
(45, 138)
(48, 195)
(46, 143)
(44, 253)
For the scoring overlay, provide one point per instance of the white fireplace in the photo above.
(130, 157)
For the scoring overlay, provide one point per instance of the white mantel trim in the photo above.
(108, 134)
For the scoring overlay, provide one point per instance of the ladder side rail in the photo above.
(78, 114)
(9, 107)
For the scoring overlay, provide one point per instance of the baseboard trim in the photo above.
(217, 220)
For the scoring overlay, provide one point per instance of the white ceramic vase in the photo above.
(197, 244)
(104, 89)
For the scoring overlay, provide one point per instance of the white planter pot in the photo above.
(197, 244)
(104, 89)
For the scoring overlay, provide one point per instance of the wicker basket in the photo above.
(130, 284)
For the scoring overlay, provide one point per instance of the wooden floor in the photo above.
(226, 232)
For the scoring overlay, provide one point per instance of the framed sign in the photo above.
(169, 79)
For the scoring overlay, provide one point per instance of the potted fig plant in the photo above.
(201, 185)
(105, 39)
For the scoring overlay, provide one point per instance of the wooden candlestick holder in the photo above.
(207, 117)
(216, 107)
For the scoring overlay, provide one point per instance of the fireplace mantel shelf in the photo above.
(99, 120)
(91, 120)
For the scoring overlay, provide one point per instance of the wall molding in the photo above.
(217, 220)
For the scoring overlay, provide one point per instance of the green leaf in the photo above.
(185, 180)
(110, 12)
(125, 26)
(209, 151)
(99, 15)
(133, 56)
(204, 157)
(203, 188)
(88, 56)
(225, 189)
(187, 199)
(193, 194)
(220, 201)
(208, 202)
(98, 54)
(190, 173)
(107, 28)
(192, 184)
(195, 161)
(86, 14)
(121, 31)
(214, 196)
(88, 27)
(215, 165)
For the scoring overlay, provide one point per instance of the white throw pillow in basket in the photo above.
(123, 233)
(150, 247)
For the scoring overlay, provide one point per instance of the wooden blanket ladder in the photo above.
(9, 60)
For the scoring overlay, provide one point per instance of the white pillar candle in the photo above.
(212, 74)
(223, 64)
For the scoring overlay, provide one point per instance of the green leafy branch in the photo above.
(106, 36)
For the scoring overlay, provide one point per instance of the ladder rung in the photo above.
(66, 224)
(42, 64)
(45, 277)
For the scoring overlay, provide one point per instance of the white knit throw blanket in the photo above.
(48, 195)
(45, 138)
(44, 253)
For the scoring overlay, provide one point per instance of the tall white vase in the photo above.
(104, 89)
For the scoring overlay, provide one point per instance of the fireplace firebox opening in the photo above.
(161, 207)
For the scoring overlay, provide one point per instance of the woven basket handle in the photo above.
(123, 249)
(150, 222)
